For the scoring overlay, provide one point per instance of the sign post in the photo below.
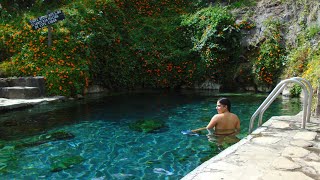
(49, 32)
(49, 35)
(47, 20)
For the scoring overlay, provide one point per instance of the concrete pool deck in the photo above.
(279, 149)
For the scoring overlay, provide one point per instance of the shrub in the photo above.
(120, 44)
(64, 65)
(216, 38)
(295, 91)
(312, 72)
(103, 30)
(159, 54)
(243, 3)
(313, 31)
(271, 57)
(297, 61)
(5, 69)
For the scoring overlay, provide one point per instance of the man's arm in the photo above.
(238, 124)
(213, 122)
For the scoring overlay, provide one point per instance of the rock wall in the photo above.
(208, 85)
(294, 15)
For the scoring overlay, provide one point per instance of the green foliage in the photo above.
(5, 69)
(119, 44)
(242, 3)
(64, 64)
(104, 31)
(271, 57)
(17, 4)
(164, 54)
(99, 41)
(313, 31)
(6, 31)
(157, 45)
(209, 27)
(303, 61)
(312, 72)
(216, 38)
(297, 61)
(295, 91)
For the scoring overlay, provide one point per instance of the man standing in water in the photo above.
(225, 122)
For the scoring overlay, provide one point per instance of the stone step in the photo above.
(37, 81)
(20, 92)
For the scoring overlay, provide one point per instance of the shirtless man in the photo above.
(225, 122)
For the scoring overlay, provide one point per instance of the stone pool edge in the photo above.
(12, 104)
(277, 149)
(219, 156)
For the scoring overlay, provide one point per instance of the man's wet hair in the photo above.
(226, 102)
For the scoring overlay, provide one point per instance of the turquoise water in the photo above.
(107, 147)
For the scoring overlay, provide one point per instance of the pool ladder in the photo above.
(307, 91)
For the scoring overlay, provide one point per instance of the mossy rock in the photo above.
(153, 162)
(60, 135)
(183, 159)
(8, 160)
(7, 154)
(56, 136)
(147, 125)
(59, 163)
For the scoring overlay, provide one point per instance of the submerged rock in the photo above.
(59, 163)
(147, 125)
(60, 135)
(56, 136)
(8, 159)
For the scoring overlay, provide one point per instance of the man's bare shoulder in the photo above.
(218, 116)
(234, 115)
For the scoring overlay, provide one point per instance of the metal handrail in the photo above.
(276, 91)
(310, 95)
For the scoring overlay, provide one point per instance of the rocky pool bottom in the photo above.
(128, 136)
